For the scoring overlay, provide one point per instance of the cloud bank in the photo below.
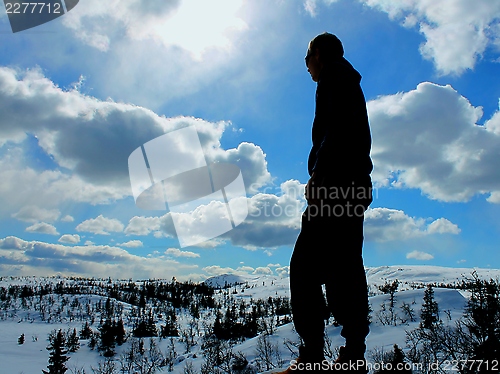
(429, 139)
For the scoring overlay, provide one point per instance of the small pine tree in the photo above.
(107, 341)
(58, 358)
(170, 327)
(73, 343)
(20, 340)
(146, 327)
(429, 314)
(119, 332)
(86, 332)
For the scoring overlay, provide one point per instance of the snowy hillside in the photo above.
(73, 302)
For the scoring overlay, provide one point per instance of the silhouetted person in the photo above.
(328, 250)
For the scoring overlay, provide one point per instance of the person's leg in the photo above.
(346, 286)
(307, 299)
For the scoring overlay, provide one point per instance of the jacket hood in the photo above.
(341, 69)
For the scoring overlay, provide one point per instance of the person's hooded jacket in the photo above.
(340, 153)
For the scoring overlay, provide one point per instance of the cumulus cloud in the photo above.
(283, 271)
(42, 228)
(384, 225)
(131, 244)
(101, 225)
(311, 6)
(20, 257)
(443, 226)
(139, 225)
(36, 214)
(273, 218)
(178, 253)
(69, 239)
(90, 140)
(263, 270)
(418, 255)
(23, 186)
(429, 139)
(67, 218)
(457, 32)
(247, 269)
(218, 270)
(170, 22)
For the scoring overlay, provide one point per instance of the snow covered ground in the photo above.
(32, 356)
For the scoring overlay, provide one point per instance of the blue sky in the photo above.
(80, 93)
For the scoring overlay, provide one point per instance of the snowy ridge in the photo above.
(31, 357)
(224, 281)
(426, 274)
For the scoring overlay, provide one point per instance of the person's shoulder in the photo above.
(340, 70)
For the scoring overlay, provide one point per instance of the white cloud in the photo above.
(69, 239)
(418, 255)
(429, 139)
(36, 214)
(283, 271)
(384, 225)
(443, 226)
(142, 225)
(67, 218)
(311, 6)
(218, 270)
(247, 269)
(131, 244)
(100, 225)
(263, 270)
(457, 32)
(42, 228)
(23, 186)
(91, 141)
(189, 24)
(178, 253)
(274, 217)
(20, 257)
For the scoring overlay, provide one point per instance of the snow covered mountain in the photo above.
(23, 316)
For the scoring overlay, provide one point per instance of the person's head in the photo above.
(322, 50)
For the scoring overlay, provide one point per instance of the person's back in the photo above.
(340, 134)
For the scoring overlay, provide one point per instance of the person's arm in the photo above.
(331, 116)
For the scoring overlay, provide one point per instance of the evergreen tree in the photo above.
(73, 342)
(429, 314)
(58, 358)
(481, 319)
(170, 327)
(146, 328)
(20, 340)
(120, 332)
(86, 332)
(107, 341)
